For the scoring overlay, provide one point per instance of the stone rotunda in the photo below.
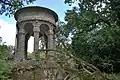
(38, 22)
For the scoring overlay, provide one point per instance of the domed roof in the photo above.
(36, 8)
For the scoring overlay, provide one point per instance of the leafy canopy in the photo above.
(10, 6)
(95, 26)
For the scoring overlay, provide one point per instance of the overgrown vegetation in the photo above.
(8, 7)
(5, 68)
(95, 27)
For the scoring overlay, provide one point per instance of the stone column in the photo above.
(16, 46)
(16, 40)
(27, 36)
(26, 46)
(51, 55)
(54, 41)
(50, 39)
(36, 31)
(19, 55)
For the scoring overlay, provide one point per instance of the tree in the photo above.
(95, 26)
(10, 6)
(61, 35)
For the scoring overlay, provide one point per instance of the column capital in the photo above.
(21, 31)
(36, 29)
(51, 32)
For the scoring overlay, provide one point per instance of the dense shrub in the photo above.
(4, 63)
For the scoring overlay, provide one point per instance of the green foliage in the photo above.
(95, 26)
(5, 69)
(61, 33)
(37, 57)
(10, 6)
(112, 76)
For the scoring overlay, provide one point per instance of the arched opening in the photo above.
(30, 44)
(28, 28)
(30, 48)
(44, 27)
(43, 43)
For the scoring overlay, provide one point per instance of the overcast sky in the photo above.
(8, 28)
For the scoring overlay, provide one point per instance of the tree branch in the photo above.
(94, 23)
(98, 21)
(5, 3)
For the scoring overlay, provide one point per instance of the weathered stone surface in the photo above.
(37, 22)
(27, 70)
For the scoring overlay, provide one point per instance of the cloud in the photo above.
(7, 32)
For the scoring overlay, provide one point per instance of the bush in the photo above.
(4, 63)
(112, 76)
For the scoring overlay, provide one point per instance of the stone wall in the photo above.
(28, 70)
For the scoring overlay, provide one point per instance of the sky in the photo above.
(8, 25)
